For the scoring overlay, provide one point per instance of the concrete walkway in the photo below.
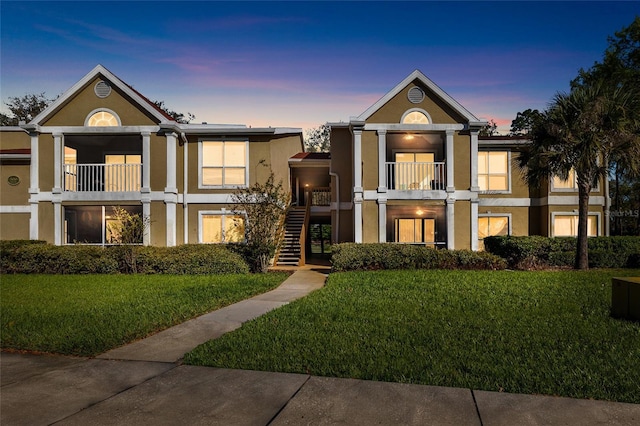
(144, 383)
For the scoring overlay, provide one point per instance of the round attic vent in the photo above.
(102, 89)
(415, 95)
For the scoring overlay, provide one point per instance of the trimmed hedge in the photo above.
(373, 256)
(37, 257)
(532, 252)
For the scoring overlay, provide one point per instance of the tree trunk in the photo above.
(582, 249)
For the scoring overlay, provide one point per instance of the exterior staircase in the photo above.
(291, 251)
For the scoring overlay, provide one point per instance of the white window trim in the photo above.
(97, 110)
(246, 162)
(575, 213)
(507, 215)
(222, 212)
(508, 190)
(552, 187)
(409, 111)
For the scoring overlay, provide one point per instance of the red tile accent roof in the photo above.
(313, 156)
(20, 151)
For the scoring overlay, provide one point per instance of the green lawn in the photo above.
(522, 332)
(89, 314)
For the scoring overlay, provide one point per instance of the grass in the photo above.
(90, 314)
(523, 332)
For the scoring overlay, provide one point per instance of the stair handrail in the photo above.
(303, 231)
(281, 228)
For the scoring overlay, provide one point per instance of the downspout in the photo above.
(335, 175)
(185, 183)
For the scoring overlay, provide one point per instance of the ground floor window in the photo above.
(489, 226)
(415, 230)
(221, 227)
(566, 225)
(320, 234)
(93, 224)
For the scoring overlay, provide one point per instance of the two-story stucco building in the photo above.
(411, 169)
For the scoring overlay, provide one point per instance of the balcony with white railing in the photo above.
(102, 177)
(416, 176)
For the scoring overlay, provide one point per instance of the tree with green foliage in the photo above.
(525, 122)
(24, 108)
(128, 229)
(489, 129)
(264, 206)
(178, 116)
(586, 130)
(318, 139)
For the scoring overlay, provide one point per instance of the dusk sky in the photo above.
(300, 64)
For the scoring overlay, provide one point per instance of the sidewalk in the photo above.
(144, 383)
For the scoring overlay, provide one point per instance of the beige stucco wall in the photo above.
(14, 226)
(342, 162)
(462, 225)
(158, 228)
(45, 222)
(75, 112)
(45, 164)
(14, 195)
(395, 108)
(370, 222)
(369, 160)
(462, 161)
(158, 166)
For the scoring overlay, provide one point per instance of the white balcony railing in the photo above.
(102, 177)
(416, 176)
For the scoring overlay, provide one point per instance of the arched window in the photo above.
(102, 118)
(415, 117)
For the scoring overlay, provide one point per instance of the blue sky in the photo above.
(300, 64)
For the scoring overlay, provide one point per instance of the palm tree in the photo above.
(586, 130)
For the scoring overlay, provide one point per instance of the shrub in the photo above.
(372, 256)
(42, 258)
(532, 252)
(49, 259)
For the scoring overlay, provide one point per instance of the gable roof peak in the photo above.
(101, 70)
(444, 96)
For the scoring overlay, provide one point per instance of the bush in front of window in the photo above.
(375, 256)
(535, 252)
(42, 258)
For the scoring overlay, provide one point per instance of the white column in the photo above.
(357, 184)
(171, 191)
(57, 163)
(146, 162)
(57, 221)
(474, 224)
(357, 217)
(474, 161)
(382, 219)
(451, 223)
(185, 190)
(34, 186)
(382, 156)
(146, 212)
(451, 187)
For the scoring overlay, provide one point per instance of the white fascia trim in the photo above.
(505, 202)
(558, 200)
(102, 197)
(489, 143)
(236, 129)
(413, 127)
(208, 199)
(472, 119)
(98, 70)
(84, 130)
(374, 195)
(15, 156)
(15, 209)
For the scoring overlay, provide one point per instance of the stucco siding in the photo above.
(14, 226)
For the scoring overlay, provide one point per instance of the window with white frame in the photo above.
(415, 117)
(415, 230)
(103, 118)
(491, 225)
(221, 227)
(570, 184)
(223, 163)
(493, 170)
(566, 225)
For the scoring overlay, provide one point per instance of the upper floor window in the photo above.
(570, 184)
(415, 117)
(223, 163)
(493, 170)
(103, 118)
